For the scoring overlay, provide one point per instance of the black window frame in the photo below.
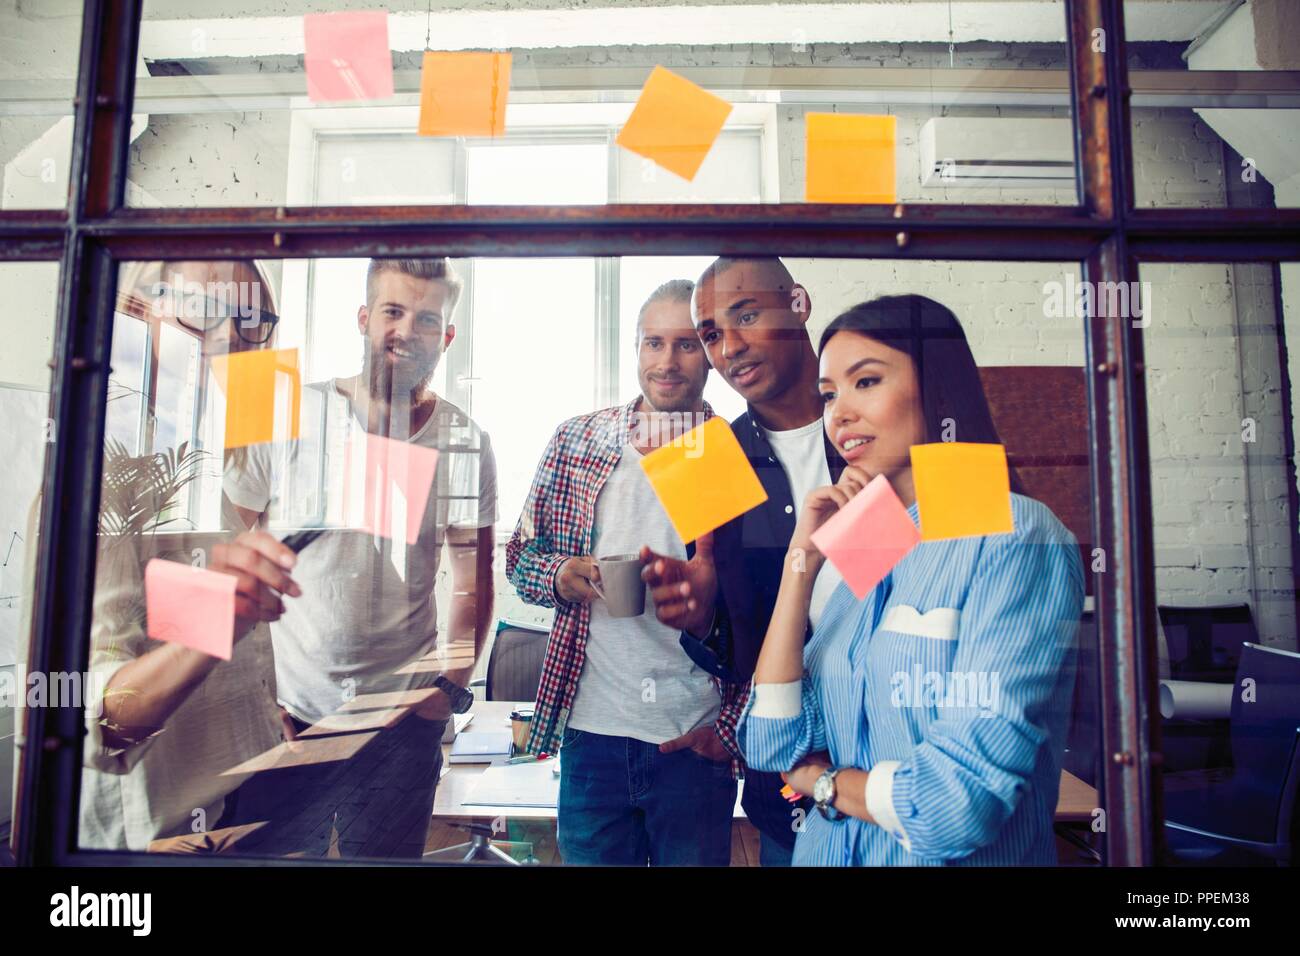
(1104, 232)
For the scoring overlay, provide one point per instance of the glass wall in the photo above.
(31, 289)
(448, 434)
(947, 103)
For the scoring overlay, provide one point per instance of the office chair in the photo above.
(1205, 642)
(515, 664)
(1245, 813)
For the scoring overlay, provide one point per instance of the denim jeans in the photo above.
(379, 801)
(623, 803)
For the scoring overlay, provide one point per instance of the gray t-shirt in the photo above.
(368, 611)
(637, 681)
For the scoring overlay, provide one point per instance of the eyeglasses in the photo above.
(203, 314)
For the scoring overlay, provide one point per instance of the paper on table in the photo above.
(530, 784)
(1195, 700)
(347, 56)
(263, 395)
(190, 606)
(850, 158)
(703, 479)
(963, 490)
(674, 123)
(387, 487)
(868, 536)
(464, 94)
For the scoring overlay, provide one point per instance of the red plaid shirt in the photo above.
(556, 525)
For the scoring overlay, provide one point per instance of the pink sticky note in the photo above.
(397, 477)
(190, 606)
(868, 536)
(348, 57)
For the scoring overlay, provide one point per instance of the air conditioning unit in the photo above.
(961, 151)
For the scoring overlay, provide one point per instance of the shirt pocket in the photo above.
(911, 661)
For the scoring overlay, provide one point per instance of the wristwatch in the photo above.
(824, 794)
(461, 699)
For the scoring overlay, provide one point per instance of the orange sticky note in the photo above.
(963, 490)
(868, 536)
(464, 94)
(395, 480)
(703, 479)
(674, 123)
(850, 158)
(263, 395)
(347, 56)
(191, 606)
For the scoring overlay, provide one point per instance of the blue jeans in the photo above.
(623, 803)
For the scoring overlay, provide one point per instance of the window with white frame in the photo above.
(560, 331)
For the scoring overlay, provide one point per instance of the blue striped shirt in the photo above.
(951, 684)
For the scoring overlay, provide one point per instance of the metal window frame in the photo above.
(1104, 232)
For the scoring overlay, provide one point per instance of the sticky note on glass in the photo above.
(347, 56)
(674, 123)
(464, 94)
(850, 158)
(703, 479)
(263, 392)
(868, 536)
(963, 490)
(390, 485)
(190, 606)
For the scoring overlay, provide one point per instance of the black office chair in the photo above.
(515, 665)
(1205, 642)
(1244, 814)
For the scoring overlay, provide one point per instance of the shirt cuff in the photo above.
(777, 701)
(880, 801)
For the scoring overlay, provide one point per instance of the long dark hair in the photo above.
(945, 368)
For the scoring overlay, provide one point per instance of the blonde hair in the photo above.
(439, 269)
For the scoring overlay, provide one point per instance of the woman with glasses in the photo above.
(927, 720)
(172, 720)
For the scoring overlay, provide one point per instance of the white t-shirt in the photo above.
(636, 680)
(165, 784)
(802, 453)
(367, 611)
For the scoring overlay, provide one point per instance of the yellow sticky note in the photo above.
(963, 490)
(674, 123)
(263, 395)
(703, 479)
(850, 158)
(464, 94)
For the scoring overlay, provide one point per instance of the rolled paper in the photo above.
(1195, 700)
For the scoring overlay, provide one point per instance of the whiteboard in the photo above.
(23, 414)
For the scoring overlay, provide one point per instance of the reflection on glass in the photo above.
(327, 730)
(1224, 499)
(980, 100)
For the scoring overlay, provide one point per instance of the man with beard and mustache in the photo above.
(643, 776)
(752, 321)
(364, 634)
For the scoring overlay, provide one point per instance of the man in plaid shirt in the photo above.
(649, 749)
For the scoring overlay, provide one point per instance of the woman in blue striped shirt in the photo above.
(929, 718)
